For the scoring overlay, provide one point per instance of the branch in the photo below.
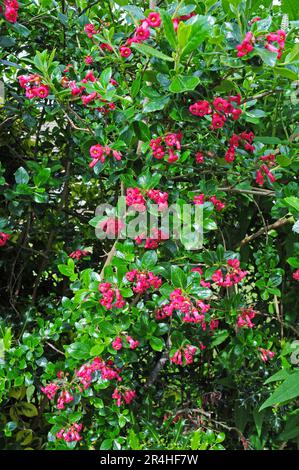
(261, 231)
(159, 365)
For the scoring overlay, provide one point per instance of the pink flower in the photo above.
(132, 342)
(245, 317)
(125, 51)
(142, 33)
(135, 199)
(117, 344)
(246, 46)
(218, 121)
(112, 226)
(199, 158)
(200, 108)
(11, 14)
(90, 30)
(266, 354)
(199, 199)
(230, 155)
(42, 91)
(79, 254)
(296, 275)
(71, 434)
(217, 203)
(154, 20)
(3, 238)
(50, 390)
(88, 60)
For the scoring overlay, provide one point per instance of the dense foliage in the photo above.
(145, 343)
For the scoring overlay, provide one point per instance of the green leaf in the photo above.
(219, 337)
(293, 202)
(27, 409)
(105, 76)
(280, 375)
(169, 29)
(150, 51)
(291, 8)
(42, 176)
(288, 390)
(21, 176)
(66, 270)
(183, 34)
(183, 83)
(268, 57)
(156, 105)
(199, 32)
(294, 54)
(157, 344)
(106, 444)
(285, 72)
(178, 277)
(149, 259)
(78, 350)
(294, 262)
(135, 11)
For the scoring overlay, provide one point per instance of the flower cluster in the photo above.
(3, 238)
(200, 199)
(111, 297)
(117, 344)
(11, 10)
(266, 354)
(33, 86)
(83, 377)
(127, 396)
(112, 226)
(220, 109)
(70, 434)
(183, 304)
(170, 140)
(151, 243)
(143, 281)
(245, 317)
(247, 45)
(136, 200)
(245, 139)
(78, 254)
(99, 153)
(232, 274)
(184, 356)
(142, 33)
(268, 162)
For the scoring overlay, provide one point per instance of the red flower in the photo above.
(125, 51)
(218, 121)
(154, 20)
(200, 108)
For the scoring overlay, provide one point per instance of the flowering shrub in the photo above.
(118, 343)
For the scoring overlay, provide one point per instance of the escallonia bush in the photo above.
(149, 342)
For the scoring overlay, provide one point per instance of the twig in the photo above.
(261, 231)
(54, 348)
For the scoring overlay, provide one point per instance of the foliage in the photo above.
(207, 337)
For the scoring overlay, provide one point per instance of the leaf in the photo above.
(42, 176)
(268, 57)
(183, 33)
(293, 202)
(280, 375)
(294, 262)
(285, 72)
(199, 32)
(178, 277)
(157, 344)
(21, 176)
(151, 51)
(267, 140)
(169, 29)
(7, 41)
(288, 390)
(106, 444)
(156, 105)
(183, 83)
(78, 350)
(105, 76)
(135, 11)
(26, 409)
(293, 55)
(136, 86)
(219, 337)
(149, 259)
(290, 7)
(66, 270)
